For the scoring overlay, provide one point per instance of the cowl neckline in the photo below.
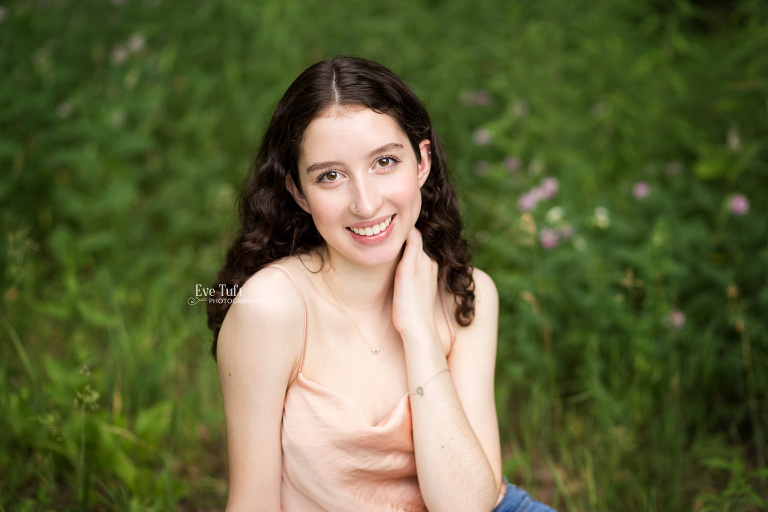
(399, 412)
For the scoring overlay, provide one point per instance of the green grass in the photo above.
(126, 129)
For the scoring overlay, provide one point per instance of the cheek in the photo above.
(410, 194)
(324, 211)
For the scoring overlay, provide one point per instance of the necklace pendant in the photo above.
(375, 350)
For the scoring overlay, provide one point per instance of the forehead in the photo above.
(348, 133)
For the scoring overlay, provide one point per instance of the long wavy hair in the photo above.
(273, 226)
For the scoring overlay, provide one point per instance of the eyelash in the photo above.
(321, 178)
(394, 160)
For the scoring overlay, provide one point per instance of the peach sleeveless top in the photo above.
(334, 461)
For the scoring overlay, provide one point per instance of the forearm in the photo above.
(453, 470)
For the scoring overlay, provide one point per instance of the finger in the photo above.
(414, 239)
(410, 242)
(411, 250)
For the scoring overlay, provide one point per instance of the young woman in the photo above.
(357, 365)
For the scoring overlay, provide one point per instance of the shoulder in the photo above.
(265, 322)
(271, 293)
(486, 309)
(484, 287)
(486, 294)
(483, 283)
(486, 299)
(273, 287)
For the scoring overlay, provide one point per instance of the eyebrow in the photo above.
(385, 149)
(323, 165)
(335, 163)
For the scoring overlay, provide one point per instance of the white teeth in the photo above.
(375, 230)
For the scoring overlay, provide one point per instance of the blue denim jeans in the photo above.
(517, 500)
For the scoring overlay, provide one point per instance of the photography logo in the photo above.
(226, 296)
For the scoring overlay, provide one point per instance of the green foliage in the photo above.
(633, 343)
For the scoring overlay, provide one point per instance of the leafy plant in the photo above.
(610, 160)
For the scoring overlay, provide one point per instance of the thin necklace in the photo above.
(374, 350)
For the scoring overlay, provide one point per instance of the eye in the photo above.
(386, 161)
(328, 176)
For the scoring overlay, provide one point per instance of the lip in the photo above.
(372, 223)
(369, 240)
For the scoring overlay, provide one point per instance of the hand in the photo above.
(415, 289)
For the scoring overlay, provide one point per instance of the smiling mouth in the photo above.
(372, 230)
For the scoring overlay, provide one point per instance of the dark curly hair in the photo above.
(273, 226)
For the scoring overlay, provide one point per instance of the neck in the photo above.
(361, 288)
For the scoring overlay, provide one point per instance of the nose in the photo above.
(366, 198)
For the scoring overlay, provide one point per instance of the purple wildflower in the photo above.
(512, 163)
(482, 137)
(549, 187)
(675, 320)
(136, 43)
(528, 201)
(481, 98)
(641, 190)
(739, 204)
(549, 238)
(119, 55)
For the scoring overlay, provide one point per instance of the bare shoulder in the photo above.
(485, 321)
(264, 323)
(484, 285)
(486, 297)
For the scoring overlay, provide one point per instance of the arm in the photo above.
(258, 352)
(455, 431)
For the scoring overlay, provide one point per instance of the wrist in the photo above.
(420, 335)
(424, 352)
(420, 389)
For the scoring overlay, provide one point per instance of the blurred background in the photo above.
(611, 161)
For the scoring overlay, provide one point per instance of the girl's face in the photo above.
(361, 182)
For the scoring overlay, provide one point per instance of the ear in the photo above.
(296, 193)
(425, 165)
